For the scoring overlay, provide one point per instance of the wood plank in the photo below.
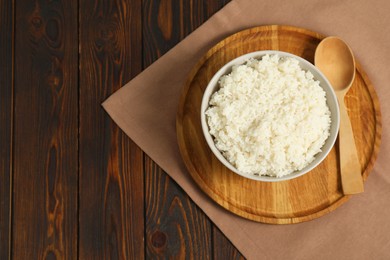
(175, 227)
(45, 134)
(165, 23)
(111, 174)
(6, 114)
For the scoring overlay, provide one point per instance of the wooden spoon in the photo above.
(335, 59)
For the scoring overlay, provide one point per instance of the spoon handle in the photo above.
(351, 177)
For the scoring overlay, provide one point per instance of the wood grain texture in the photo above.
(45, 134)
(6, 122)
(111, 176)
(307, 197)
(176, 228)
(165, 23)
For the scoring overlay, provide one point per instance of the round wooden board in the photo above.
(301, 199)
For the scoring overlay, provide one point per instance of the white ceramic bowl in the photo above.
(305, 65)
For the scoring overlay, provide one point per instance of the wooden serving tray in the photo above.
(304, 198)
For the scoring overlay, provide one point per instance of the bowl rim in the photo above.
(258, 54)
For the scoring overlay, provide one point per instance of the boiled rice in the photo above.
(269, 116)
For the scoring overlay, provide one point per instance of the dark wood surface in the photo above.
(72, 184)
(6, 122)
(45, 130)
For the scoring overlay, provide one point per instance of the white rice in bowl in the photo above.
(269, 117)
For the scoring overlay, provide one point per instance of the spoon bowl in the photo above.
(336, 61)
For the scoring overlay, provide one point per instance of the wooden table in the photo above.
(72, 184)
